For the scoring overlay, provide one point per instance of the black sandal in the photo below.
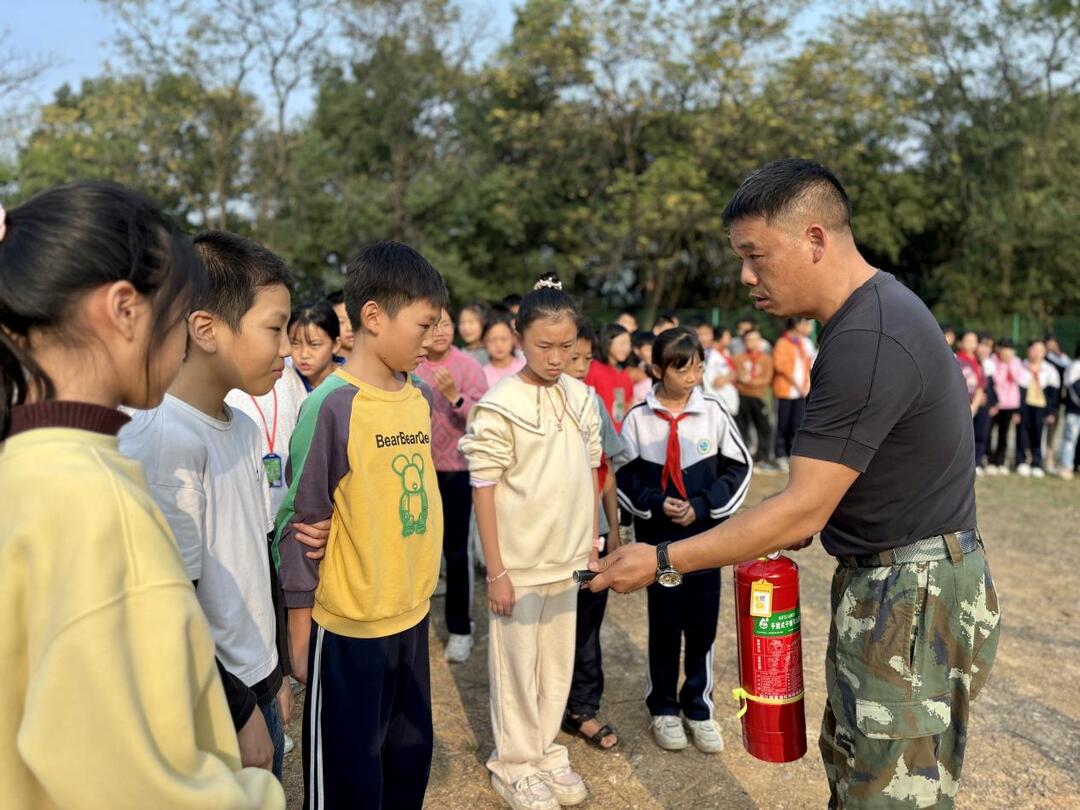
(572, 726)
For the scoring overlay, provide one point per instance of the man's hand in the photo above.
(314, 536)
(256, 747)
(629, 568)
(1050, 418)
(444, 381)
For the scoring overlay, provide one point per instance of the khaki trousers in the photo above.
(530, 666)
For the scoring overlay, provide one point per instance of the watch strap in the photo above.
(662, 557)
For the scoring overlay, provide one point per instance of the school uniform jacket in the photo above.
(1050, 382)
(716, 467)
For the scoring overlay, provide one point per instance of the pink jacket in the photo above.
(448, 422)
(1007, 378)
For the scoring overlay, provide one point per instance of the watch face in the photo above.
(669, 578)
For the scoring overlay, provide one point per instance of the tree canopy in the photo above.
(601, 139)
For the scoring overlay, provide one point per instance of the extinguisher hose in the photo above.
(745, 698)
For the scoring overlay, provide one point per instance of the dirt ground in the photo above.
(1024, 748)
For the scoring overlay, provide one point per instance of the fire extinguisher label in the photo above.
(761, 598)
(778, 624)
(777, 655)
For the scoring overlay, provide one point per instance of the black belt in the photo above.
(952, 546)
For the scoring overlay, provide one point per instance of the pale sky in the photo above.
(77, 34)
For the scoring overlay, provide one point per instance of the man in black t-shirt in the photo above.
(883, 466)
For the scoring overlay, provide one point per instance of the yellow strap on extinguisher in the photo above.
(745, 698)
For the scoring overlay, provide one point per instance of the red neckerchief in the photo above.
(673, 459)
(972, 362)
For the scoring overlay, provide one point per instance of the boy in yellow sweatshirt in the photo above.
(358, 621)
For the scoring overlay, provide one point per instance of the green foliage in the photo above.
(601, 140)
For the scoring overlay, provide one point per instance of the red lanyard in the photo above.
(270, 437)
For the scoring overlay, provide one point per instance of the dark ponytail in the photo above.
(67, 241)
(547, 300)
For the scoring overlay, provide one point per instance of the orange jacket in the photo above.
(792, 369)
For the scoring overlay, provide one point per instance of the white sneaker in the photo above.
(1037, 472)
(980, 471)
(567, 787)
(458, 648)
(1065, 475)
(782, 465)
(1004, 470)
(1023, 470)
(289, 746)
(529, 793)
(668, 732)
(707, 736)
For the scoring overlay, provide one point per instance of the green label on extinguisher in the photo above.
(779, 624)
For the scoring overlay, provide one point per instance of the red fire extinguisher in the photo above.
(770, 659)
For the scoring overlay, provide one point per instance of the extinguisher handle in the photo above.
(774, 555)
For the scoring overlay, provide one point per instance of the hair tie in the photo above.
(3, 224)
(541, 284)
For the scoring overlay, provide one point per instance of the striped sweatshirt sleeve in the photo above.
(318, 460)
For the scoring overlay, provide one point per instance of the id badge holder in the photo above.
(274, 471)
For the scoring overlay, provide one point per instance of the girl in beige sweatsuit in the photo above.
(533, 447)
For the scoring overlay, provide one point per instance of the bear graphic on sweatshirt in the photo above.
(413, 506)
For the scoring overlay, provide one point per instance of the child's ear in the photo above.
(372, 317)
(657, 373)
(201, 331)
(337, 346)
(124, 305)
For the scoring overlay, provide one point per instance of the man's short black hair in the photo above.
(394, 276)
(335, 298)
(782, 187)
(512, 300)
(237, 268)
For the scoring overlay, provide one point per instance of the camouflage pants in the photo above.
(910, 647)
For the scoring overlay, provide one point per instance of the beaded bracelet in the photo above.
(494, 579)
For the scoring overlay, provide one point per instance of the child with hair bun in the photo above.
(533, 448)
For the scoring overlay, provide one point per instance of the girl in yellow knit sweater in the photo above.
(112, 698)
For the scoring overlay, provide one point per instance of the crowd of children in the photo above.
(258, 493)
(1018, 404)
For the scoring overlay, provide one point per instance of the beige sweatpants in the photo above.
(530, 665)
